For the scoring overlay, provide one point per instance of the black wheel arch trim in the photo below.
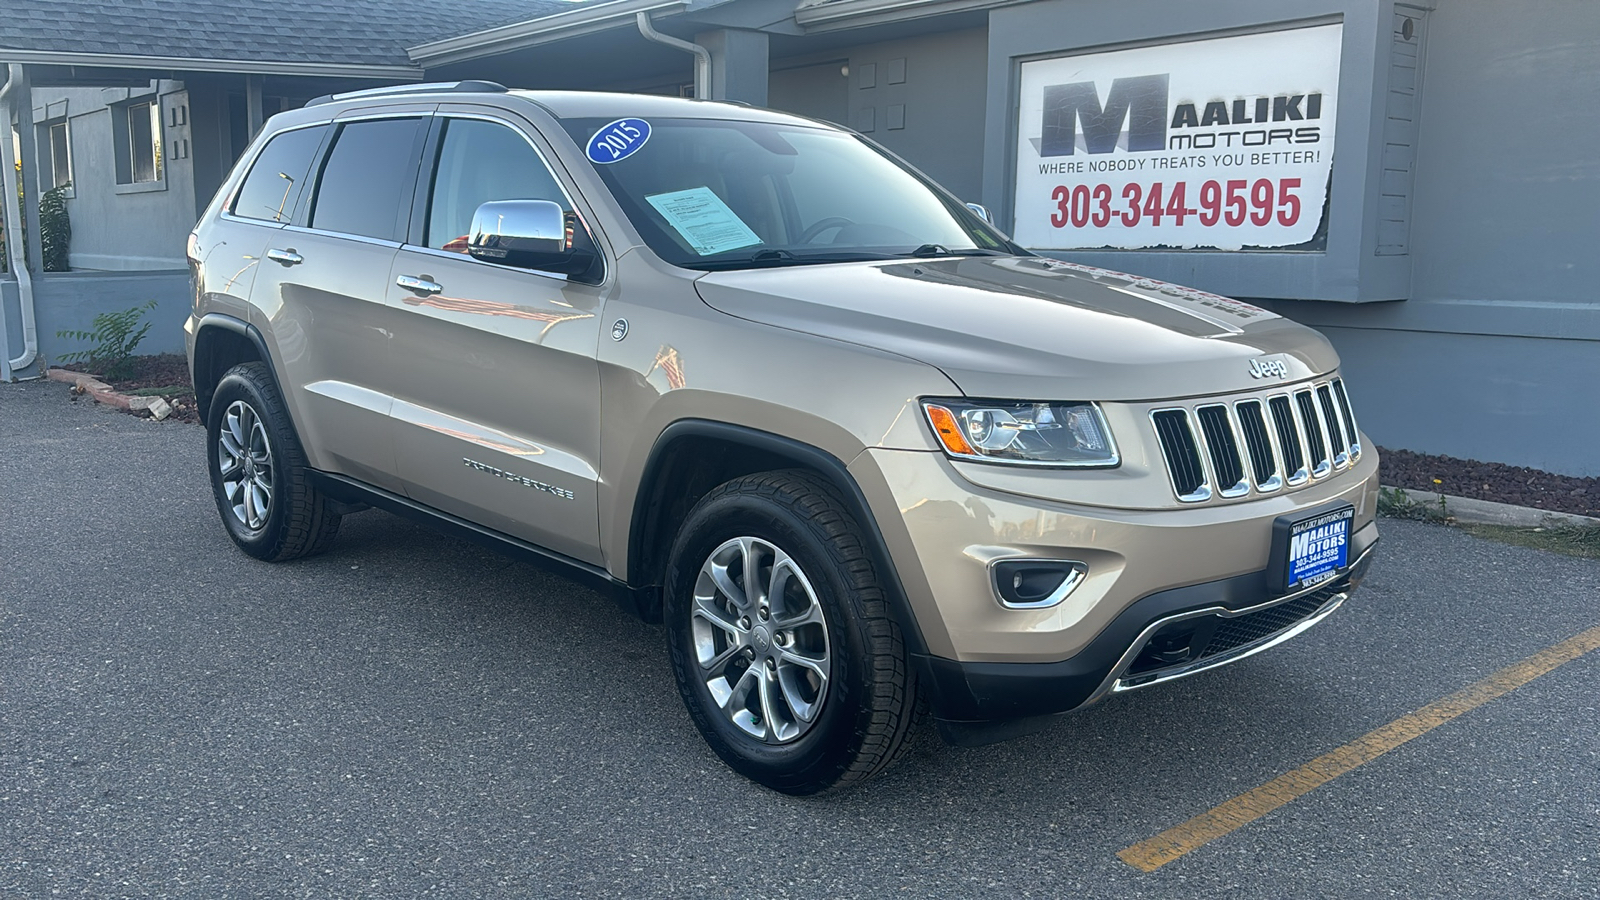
(245, 330)
(803, 455)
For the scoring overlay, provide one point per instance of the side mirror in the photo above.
(982, 211)
(529, 234)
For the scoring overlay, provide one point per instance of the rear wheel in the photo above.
(781, 639)
(258, 471)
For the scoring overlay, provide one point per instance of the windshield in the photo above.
(717, 194)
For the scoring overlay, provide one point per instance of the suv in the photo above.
(760, 380)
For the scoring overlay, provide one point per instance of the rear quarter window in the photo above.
(369, 173)
(279, 175)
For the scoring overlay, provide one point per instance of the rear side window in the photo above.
(369, 172)
(278, 176)
(479, 162)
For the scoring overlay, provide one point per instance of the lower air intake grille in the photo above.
(1243, 630)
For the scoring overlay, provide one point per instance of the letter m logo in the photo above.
(1141, 102)
(1300, 546)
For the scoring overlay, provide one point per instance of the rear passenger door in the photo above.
(320, 297)
(496, 385)
(232, 244)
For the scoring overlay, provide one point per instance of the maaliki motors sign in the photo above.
(1224, 143)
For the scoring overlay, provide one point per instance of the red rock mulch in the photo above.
(1498, 482)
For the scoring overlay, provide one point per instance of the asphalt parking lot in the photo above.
(410, 716)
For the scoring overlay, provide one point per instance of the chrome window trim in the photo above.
(561, 185)
(1202, 492)
(1079, 572)
(1113, 680)
(1275, 481)
(462, 257)
(342, 235)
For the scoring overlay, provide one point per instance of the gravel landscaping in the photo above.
(1501, 483)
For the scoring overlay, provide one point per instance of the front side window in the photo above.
(144, 141)
(720, 194)
(278, 176)
(367, 174)
(480, 162)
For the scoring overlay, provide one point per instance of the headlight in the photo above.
(1040, 434)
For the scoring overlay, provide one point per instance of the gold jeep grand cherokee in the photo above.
(758, 379)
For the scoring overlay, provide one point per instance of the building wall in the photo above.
(1477, 178)
(69, 301)
(921, 97)
(1496, 355)
(124, 226)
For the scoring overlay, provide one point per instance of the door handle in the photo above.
(287, 257)
(420, 285)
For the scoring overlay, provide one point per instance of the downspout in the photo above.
(702, 56)
(17, 253)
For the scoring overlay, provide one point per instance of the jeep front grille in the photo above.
(1257, 444)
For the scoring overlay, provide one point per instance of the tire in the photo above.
(838, 700)
(258, 471)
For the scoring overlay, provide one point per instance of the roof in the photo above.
(257, 36)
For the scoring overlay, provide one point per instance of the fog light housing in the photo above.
(1036, 583)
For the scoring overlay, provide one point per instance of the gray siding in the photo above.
(124, 226)
(1497, 354)
(921, 97)
(69, 301)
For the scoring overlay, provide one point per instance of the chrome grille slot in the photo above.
(1330, 421)
(1234, 447)
(1311, 427)
(1253, 424)
(1223, 448)
(1182, 454)
(1294, 454)
(1349, 418)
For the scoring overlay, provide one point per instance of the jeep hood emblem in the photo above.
(1268, 368)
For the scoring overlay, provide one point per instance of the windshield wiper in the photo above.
(774, 257)
(929, 250)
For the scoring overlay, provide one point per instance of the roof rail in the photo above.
(435, 87)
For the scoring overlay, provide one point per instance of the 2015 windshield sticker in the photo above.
(705, 222)
(618, 141)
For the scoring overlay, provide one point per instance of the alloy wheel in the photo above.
(245, 465)
(761, 640)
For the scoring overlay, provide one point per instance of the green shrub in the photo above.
(116, 335)
(55, 229)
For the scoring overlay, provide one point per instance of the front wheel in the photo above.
(781, 639)
(258, 471)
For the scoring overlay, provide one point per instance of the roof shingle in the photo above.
(350, 32)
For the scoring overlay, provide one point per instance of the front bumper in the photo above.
(1223, 621)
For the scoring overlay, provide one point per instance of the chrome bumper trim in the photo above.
(1114, 682)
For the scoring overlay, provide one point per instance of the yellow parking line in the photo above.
(1167, 846)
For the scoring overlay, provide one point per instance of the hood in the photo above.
(1030, 328)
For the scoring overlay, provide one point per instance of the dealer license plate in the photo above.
(1314, 548)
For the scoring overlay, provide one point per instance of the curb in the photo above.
(157, 407)
(1487, 512)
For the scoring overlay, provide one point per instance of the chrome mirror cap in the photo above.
(503, 229)
(982, 211)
